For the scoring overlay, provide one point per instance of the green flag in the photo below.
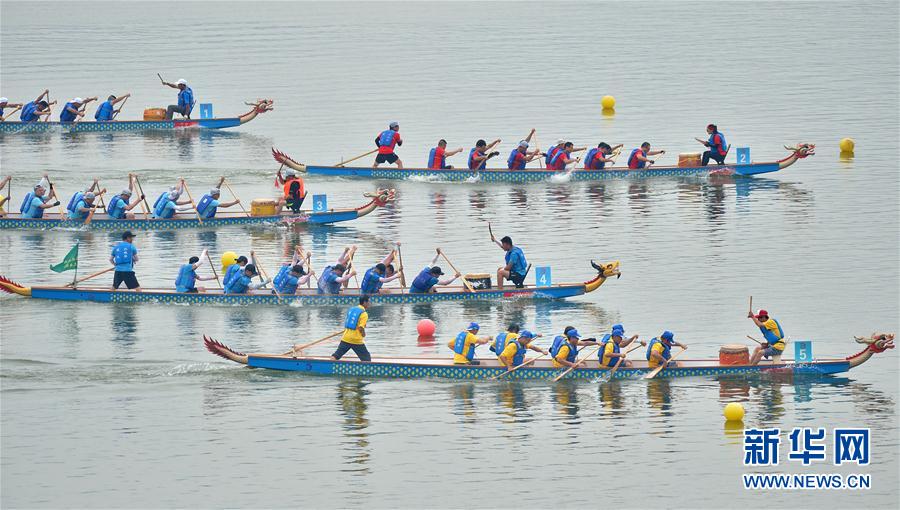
(68, 263)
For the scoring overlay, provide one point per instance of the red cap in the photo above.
(762, 313)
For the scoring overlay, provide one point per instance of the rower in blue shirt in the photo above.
(81, 206)
(34, 110)
(291, 276)
(107, 110)
(4, 103)
(428, 277)
(516, 267)
(36, 201)
(185, 99)
(119, 207)
(243, 282)
(74, 109)
(187, 275)
(209, 203)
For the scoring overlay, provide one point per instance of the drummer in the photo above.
(774, 335)
(660, 350)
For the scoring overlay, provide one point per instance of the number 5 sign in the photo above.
(743, 155)
(542, 277)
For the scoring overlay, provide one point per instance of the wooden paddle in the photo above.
(463, 278)
(662, 366)
(193, 204)
(262, 273)
(350, 264)
(162, 80)
(577, 364)
(116, 112)
(96, 186)
(234, 196)
(143, 200)
(622, 359)
(400, 262)
(538, 147)
(90, 216)
(49, 111)
(751, 304)
(215, 273)
(53, 191)
(513, 369)
(309, 270)
(300, 348)
(8, 115)
(88, 277)
(342, 163)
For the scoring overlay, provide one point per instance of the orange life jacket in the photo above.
(289, 182)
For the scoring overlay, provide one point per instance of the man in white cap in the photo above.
(73, 109)
(520, 156)
(37, 200)
(83, 206)
(185, 99)
(119, 207)
(209, 203)
(294, 190)
(4, 103)
(386, 141)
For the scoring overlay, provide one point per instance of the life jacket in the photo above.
(606, 339)
(186, 99)
(65, 115)
(116, 207)
(26, 203)
(72, 206)
(28, 112)
(558, 342)
(501, 340)
(186, 278)
(422, 282)
(719, 148)
(519, 356)
(238, 285)
(327, 287)
(162, 198)
(104, 112)
(472, 165)
(590, 161)
(556, 162)
(160, 207)
(281, 278)
(75, 213)
(513, 163)
(353, 315)
(203, 205)
(550, 153)
(386, 141)
(122, 253)
(301, 191)
(459, 346)
(232, 272)
(634, 162)
(667, 349)
(436, 164)
(371, 282)
(771, 337)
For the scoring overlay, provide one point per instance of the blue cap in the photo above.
(526, 334)
(573, 333)
(473, 325)
(667, 336)
(618, 327)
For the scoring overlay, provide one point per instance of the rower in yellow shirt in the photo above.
(613, 345)
(513, 354)
(355, 332)
(464, 344)
(565, 347)
(774, 335)
(660, 349)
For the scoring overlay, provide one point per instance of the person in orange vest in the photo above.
(294, 190)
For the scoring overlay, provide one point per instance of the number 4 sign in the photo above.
(542, 277)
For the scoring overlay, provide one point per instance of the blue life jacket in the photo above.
(159, 208)
(511, 161)
(431, 159)
(203, 205)
(423, 281)
(186, 99)
(500, 342)
(718, 148)
(104, 112)
(371, 282)
(667, 349)
(612, 361)
(328, 287)
(116, 207)
(29, 112)
(75, 214)
(65, 115)
(353, 315)
(238, 285)
(26, 203)
(232, 272)
(73, 202)
(589, 158)
(284, 281)
(162, 198)
(771, 337)
(472, 166)
(633, 162)
(459, 346)
(558, 342)
(555, 158)
(122, 253)
(186, 278)
(386, 137)
(550, 154)
(26, 208)
(279, 279)
(519, 356)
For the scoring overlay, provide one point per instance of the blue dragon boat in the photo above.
(540, 369)
(17, 127)
(310, 296)
(142, 222)
(540, 175)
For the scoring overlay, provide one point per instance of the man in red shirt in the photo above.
(386, 140)
(437, 158)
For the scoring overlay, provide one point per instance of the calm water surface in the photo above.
(120, 406)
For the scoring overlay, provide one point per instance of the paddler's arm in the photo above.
(448, 281)
(654, 153)
(120, 99)
(74, 111)
(436, 257)
(655, 355)
(531, 134)
(229, 204)
(679, 344)
(492, 145)
(45, 93)
(629, 341)
(5, 181)
(390, 256)
(529, 156)
(88, 100)
(447, 154)
(346, 277)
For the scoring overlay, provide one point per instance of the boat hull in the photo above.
(521, 176)
(310, 298)
(438, 370)
(15, 127)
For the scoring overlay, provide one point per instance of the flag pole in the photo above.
(75, 279)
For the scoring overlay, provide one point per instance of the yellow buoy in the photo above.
(608, 112)
(228, 258)
(734, 412)
(608, 102)
(847, 145)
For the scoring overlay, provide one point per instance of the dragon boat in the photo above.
(541, 369)
(145, 222)
(16, 127)
(800, 151)
(310, 296)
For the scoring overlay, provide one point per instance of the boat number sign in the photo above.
(320, 203)
(542, 277)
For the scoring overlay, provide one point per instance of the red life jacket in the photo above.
(556, 162)
(437, 159)
(633, 162)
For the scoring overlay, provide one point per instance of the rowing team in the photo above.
(511, 345)
(557, 158)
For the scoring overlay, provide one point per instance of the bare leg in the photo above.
(399, 164)
(501, 275)
(757, 355)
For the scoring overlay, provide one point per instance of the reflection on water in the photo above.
(352, 396)
(610, 395)
(463, 398)
(565, 398)
(124, 327)
(659, 395)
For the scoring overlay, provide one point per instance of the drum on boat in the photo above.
(154, 114)
(479, 280)
(734, 354)
(262, 207)
(689, 159)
